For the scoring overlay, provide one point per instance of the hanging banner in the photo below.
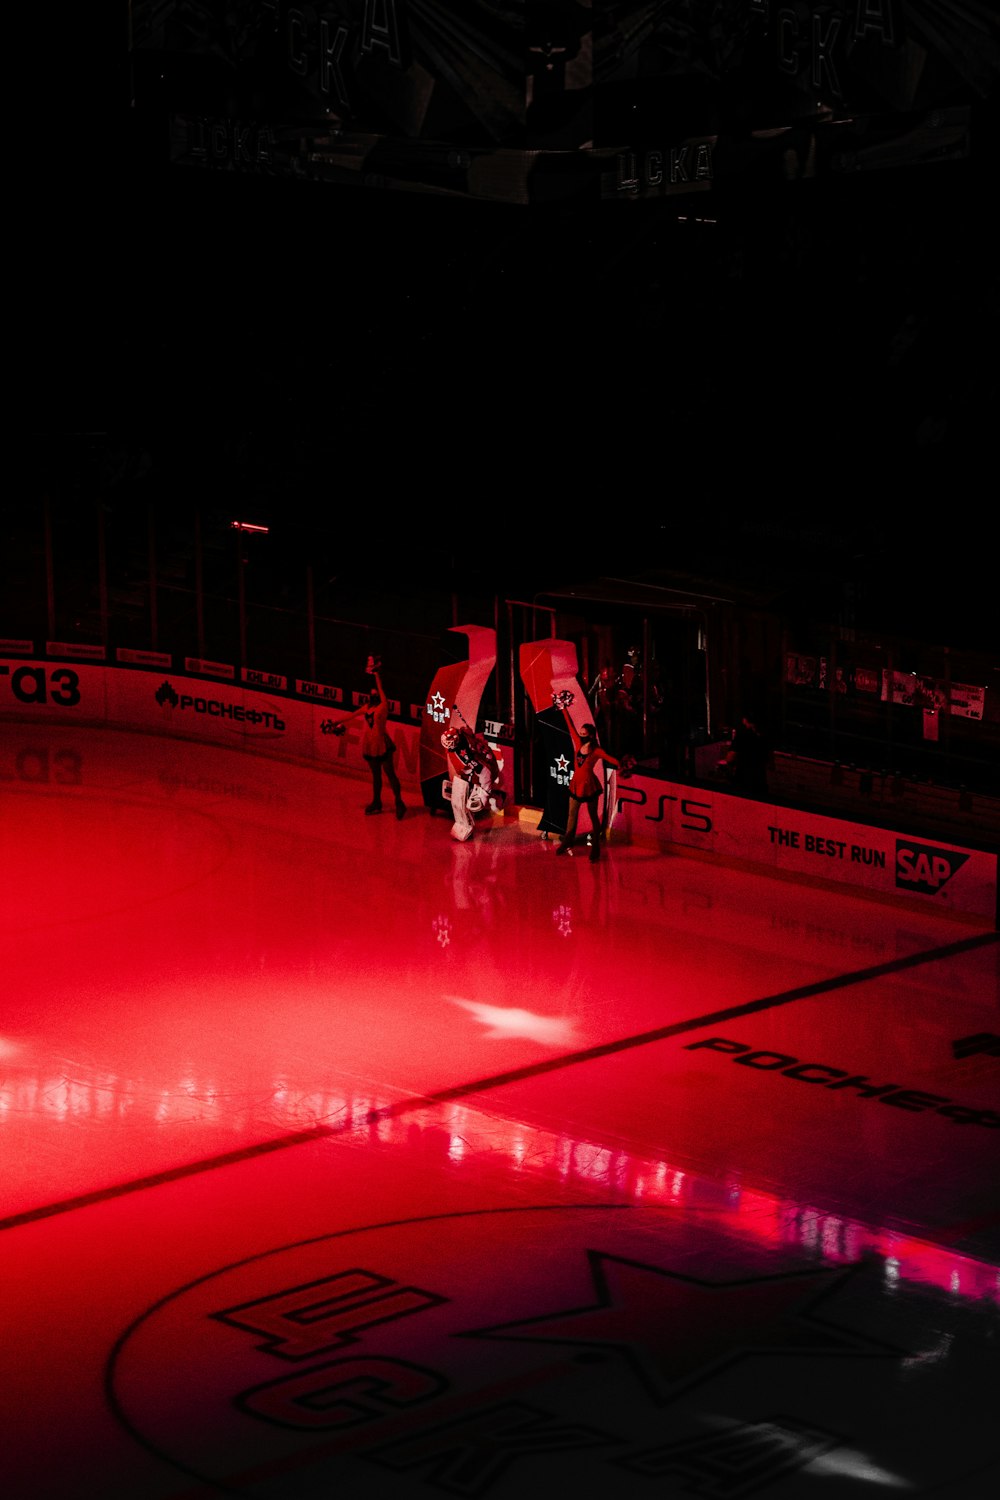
(548, 669)
(526, 104)
(958, 698)
(555, 759)
(454, 696)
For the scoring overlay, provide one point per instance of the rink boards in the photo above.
(294, 720)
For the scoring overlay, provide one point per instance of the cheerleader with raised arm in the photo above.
(377, 747)
(584, 786)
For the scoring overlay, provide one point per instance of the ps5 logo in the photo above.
(695, 816)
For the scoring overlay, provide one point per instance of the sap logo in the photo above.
(28, 684)
(923, 868)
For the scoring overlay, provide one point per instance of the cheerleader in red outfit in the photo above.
(584, 787)
(377, 747)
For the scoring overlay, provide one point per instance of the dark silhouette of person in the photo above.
(749, 757)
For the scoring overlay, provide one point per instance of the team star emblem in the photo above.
(437, 703)
(672, 1330)
(562, 764)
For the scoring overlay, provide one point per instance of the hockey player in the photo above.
(475, 776)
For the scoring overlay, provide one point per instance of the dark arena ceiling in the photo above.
(715, 384)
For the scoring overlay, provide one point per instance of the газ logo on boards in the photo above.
(37, 685)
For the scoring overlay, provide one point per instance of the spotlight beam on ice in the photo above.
(512, 1021)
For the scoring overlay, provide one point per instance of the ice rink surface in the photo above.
(687, 1179)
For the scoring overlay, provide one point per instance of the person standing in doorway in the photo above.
(749, 757)
(628, 723)
(602, 697)
(377, 747)
(584, 787)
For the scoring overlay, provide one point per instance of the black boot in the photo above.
(373, 807)
(400, 808)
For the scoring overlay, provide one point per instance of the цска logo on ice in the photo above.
(924, 867)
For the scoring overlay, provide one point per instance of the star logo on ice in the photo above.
(603, 1379)
(441, 928)
(436, 708)
(672, 1330)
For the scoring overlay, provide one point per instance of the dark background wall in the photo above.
(447, 401)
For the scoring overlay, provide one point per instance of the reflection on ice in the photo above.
(471, 1138)
(514, 1021)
